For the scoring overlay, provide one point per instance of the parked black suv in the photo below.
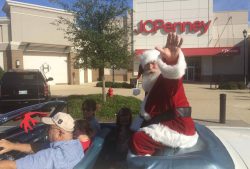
(19, 88)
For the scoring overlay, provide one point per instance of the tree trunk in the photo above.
(103, 89)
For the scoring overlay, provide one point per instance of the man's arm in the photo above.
(7, 164)
(7, 146)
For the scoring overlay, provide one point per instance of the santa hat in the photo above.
(149, 56)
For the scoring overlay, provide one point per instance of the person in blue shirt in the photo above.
(63, 152)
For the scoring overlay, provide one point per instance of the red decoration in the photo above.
(28, 121)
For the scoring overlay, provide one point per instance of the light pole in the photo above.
(245, 35)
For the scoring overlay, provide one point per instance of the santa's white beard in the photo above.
(149, 80)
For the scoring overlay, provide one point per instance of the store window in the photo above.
(193, 71)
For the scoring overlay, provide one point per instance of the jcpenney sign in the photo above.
(152, 26)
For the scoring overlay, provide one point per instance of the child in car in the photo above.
(88, 110)
(83, 132)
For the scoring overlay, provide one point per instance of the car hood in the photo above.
(50, 107)
(236, 140)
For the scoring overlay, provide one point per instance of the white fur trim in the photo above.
(173, 71)
(169, 137)
(149, 56)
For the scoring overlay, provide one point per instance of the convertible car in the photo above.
(217, 147)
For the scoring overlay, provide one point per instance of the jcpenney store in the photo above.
(213, 41)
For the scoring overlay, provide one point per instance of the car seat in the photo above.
(208, 153)
(94, 150)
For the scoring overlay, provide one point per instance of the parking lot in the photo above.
(205, 102)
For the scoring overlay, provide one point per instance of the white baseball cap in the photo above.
(62, 120)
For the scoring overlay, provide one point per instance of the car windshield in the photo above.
(20, 77)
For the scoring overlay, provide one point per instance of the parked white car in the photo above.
(237, 142)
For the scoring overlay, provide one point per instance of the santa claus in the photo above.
(165, 110)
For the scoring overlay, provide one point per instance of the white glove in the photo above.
(136, 123)
(136, 91)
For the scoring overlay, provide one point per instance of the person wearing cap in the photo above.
(165, 113)
(63, 151)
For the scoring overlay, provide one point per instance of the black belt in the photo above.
(169, 115)
(184, 111)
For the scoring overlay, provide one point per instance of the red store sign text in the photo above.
(150, 26)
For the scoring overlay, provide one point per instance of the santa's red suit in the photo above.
(167, 93)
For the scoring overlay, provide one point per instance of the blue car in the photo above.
(217, 148)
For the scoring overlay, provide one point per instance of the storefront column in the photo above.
(15, 59)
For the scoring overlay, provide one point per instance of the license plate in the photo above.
(21, 92)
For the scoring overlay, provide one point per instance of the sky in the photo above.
(219, 5)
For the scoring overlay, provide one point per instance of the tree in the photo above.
(98, 34)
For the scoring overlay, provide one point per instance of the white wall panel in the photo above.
(89, 75)
(203, 41)
(203, 14)
(1, 60)
(155, 6)
(81, 76)
(189, 40)
(153, 41)
(141, 7)
(229, 31)
(205, 4)
(189, 4)
(172, 15)
(172, 5)
(140, 16)
(190, 14)
(140, 41)
(154, 15)
(36, 25)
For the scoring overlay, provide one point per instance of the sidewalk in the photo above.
(205, 102)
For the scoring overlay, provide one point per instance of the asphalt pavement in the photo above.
(205, 101)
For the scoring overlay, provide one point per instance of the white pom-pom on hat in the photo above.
(149, 56)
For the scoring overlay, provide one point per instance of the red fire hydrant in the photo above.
(110, 92)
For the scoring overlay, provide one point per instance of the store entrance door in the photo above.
(193, 71)
(190, 73)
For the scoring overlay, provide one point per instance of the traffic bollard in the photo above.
(223, 108)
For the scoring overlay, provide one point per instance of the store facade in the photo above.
(213, 41)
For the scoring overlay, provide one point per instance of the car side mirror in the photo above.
(50, 79)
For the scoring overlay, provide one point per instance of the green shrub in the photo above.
(232, 85)
(115, 85)
(241, 85)
(108, 110)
